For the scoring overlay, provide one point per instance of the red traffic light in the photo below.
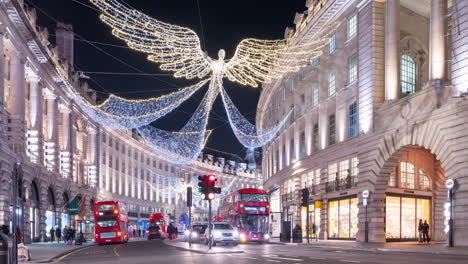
(212, 178)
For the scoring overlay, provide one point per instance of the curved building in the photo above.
(68, 160)
(382, 109)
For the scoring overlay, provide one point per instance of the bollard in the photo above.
(6, 246)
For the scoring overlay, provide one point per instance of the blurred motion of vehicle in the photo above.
(248, 210)
(157, 227)
(197, 232)
(222, 232)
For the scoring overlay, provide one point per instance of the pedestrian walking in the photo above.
(425, 231)
(420, 228)
(314, 231)
(69, 236)
(73, 233)
(134, 232)
(58, 234)
(52, 234)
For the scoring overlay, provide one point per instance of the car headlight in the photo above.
(267, 236)
(194, 234)
(186, 232)
(242, 236)
(217, 234)
(235, 233)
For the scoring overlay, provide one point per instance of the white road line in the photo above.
(292, 259)
(247, 257)
(352, 261)
(270, 260)
(269, 256)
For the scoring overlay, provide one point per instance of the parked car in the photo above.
(197, 232)
(223, 233)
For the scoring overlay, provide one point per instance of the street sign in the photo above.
(365, 194)
(449, 183)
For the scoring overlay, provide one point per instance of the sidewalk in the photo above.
(46, 252)
(202, 248)
(435, 247)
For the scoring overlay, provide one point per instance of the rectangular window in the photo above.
(302, 73)
(332, 44)
(352, 68)
(354, 168)
(302, 146)
(315, 62)
(352, 119)
(352, 26)
(331, 83)
(292, 114)
(283, 161)
(344, 169)
(332, 172)
(292, 151)
(292, 84)
(278, 161)
(331, 129)
(315, 94)
(284, 93)
(303, 106)
(317, 177)
(315, 137)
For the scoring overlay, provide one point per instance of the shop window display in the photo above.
(343, 218)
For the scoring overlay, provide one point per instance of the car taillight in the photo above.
(147, 231)
(96, 235)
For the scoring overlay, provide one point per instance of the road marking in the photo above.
(269, 256)
(292, 259)
(115, 250)
(270, 260)
(352, 261)
(66, 255)
(247, 257)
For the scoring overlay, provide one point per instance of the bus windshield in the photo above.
(254, 197)
(253, 223)
(105, 207)
(107, 221)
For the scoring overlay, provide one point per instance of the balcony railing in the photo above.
(341, 184)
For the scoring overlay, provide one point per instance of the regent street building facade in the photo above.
(382, 109)
(65, 155)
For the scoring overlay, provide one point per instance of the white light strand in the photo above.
(120, 113)
(247, 133)
(185, 146)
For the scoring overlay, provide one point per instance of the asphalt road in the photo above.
(160, 252)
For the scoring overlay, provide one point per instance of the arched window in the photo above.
(407, 75)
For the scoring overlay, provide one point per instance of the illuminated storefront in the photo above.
(314, 218)
(343, 218)
(403, 214)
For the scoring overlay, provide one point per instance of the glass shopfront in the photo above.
(343, 218)
(403, 214)
(314, 218)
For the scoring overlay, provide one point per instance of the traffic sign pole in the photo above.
(365, 196)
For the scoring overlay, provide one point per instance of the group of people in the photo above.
(137, 232)
(423, 230)
(69, 235)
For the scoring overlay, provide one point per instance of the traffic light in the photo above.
(207, 185)
(305, 197)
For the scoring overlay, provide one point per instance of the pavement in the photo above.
(435, 247)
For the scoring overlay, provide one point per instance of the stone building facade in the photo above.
(64, 154)
(383, 109)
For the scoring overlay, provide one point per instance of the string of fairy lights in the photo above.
(178, 49)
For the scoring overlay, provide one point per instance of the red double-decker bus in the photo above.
(111, 222)
(248, 210)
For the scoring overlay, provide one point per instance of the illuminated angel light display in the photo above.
(178, 49)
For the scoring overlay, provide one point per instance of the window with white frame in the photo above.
(424, 182)
(332, 44)
(315, 94)
(354, 168)
(331, 83)
(304, 181)
(332, 171)
(407, 75)
(315, 137)
(344, 169)
(331, 129)
(352, 68)
(352, 26)
(302, 145)
(292, 84)
(407, 175)
(310, 178)
(317, 176)
(284, 93)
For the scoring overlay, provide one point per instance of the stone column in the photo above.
(437, 40)
(52, 129)
(392, 39)
(65, 153)
(92, 157)
(35, 140)
(459, 50)
(16, 105)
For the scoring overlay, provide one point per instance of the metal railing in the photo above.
(340, 184)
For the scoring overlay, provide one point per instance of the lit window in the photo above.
(354, 168)
(315, 94)
(352, 68)
(352, 119)
(344, 169)
(407, 175)
(317, 176)
(352, 26)
(424, 181)
(408, 75)
(332, 45)
(331, 129)
(331, 83)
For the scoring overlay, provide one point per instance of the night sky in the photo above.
(224, 23)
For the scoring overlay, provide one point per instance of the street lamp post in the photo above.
(365, 196)
(450, 183)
